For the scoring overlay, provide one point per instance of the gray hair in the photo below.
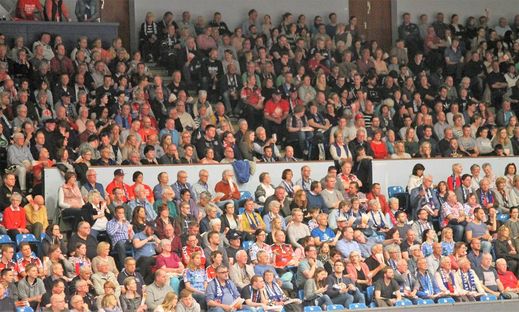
(91, 195)
(164, 242)
(214, 222)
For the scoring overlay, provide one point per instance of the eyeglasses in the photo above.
(222, 272)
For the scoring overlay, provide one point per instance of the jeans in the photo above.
(174, 282)
(323, 300)
(120, 249)
(348, 298)
(458, 231)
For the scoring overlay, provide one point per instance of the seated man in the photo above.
(387, 291)
(221, 292)
(425, 197)
(146, 245)
(120, 232)
(7, 189)
(427, 286)
(83, 236)
(130, 271)
(102, 276)
(487, 274)
(226, 189)
(118, 182)
(508, 280)
(251, 220)
(141, 200)
(92, 184)
(19, 155)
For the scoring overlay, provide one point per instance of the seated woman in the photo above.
(315, 290)
(138, 219)
(286, 182)
(131, 300)
(195, 278)
(209, 157)
(103, 251)
(96, 213)
(138, 178)
(171, 264)
(70, 200)
(162, 220)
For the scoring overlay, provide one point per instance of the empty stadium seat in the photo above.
(332, 307)
(245, 195)
(445, 300)
(6, 240)
(313, 309)
(403, 302)
(395, 189)
(247, 244)
(29, 238)
(488, 298)
(355, 306)
(425, 301)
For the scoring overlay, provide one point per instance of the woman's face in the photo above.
(82, 250)
(197, 260)
(132, 285)
(289, 175)
(55, 230)
(141, 213)
(322, 276)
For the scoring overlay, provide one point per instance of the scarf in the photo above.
(219, 290)
(486, 198)
(382, 223)
(468, 281)
(253, 223)
(288, 187)
(426, 283)
(274, 292)
(447, 283)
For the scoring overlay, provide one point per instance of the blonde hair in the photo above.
(101, 246)
(109, 301)
(167, 303)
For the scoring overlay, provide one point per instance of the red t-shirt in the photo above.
(283, 254)
(276, 109)
(508, 279)
(28, 7)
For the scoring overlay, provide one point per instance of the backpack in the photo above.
(242, 170)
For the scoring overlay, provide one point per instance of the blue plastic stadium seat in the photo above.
(332, 307)
(247, 244)
(245, 195)
(24, 309)
(355, 306)
(29, 238)
(301, 294)
(403, 302)
(313, 309)
(445, 300)
(19, 255)
(502, 217)
(241, 210)
(425, 301)
(488, 298)
(395, 189)
(5, 239)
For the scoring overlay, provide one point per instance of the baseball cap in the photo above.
(233, 235)
(118, 172)
(359, 116)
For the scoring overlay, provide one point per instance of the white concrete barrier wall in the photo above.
(53, 179)
(397, 172)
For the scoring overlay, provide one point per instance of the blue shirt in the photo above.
(316, 201)
(228, 294)
(346, 247)
(324, 236)
(196, 278)
(148, 250)
(151, 214)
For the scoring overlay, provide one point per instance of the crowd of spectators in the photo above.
(263, 93)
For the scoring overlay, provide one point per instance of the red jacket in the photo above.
(381, 199)
(14, 219)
